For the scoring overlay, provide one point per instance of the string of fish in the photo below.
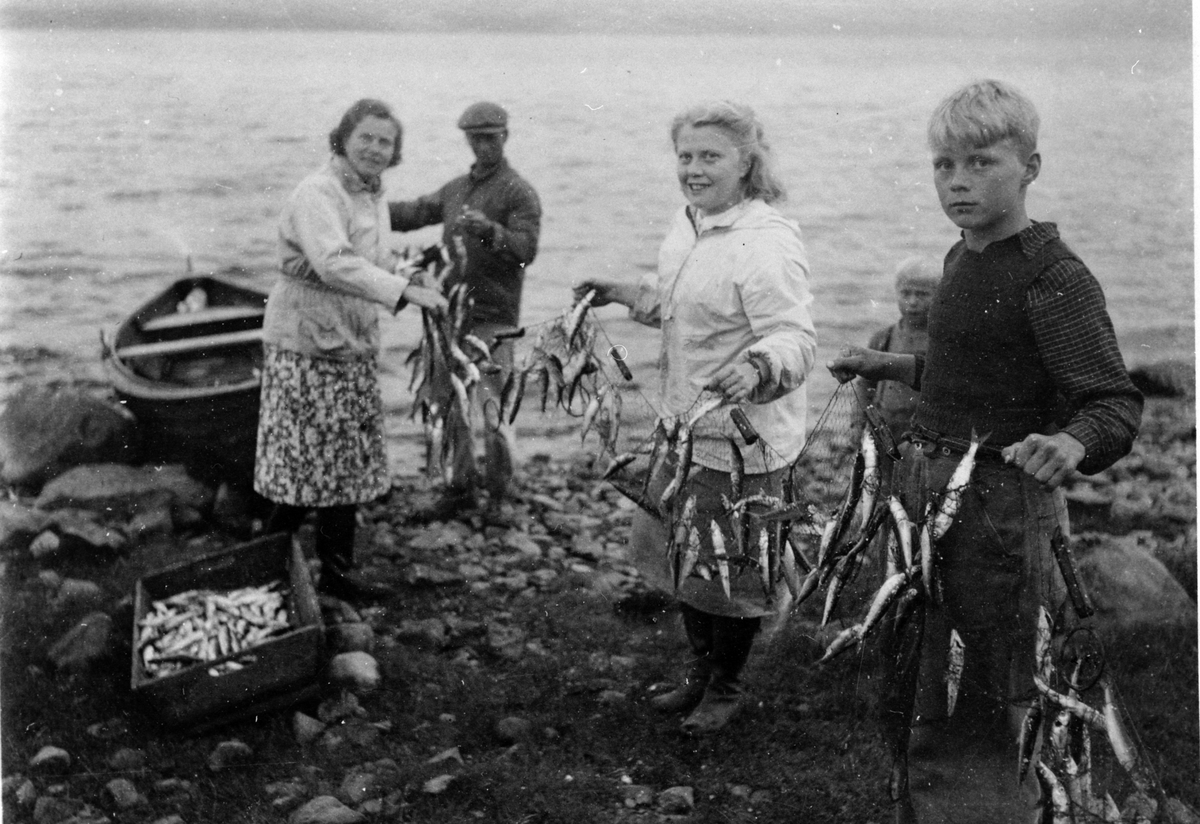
(1055, 740)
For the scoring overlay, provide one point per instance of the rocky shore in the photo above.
(484, 596)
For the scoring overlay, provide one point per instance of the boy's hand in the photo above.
(1048, 458)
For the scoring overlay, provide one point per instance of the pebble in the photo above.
(637, 795)
(228, 754)
(83, 644)
(306, 728)
(343, 705)
(50, 760)
(127, 759)
(512, 729)
(123, 793)
(677, 800)
(287, 794)
(358, 671)
(325, 809)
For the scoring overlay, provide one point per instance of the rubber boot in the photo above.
(724, 697)
(335, 549)
(698, 626)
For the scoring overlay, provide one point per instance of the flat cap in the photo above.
(483, 117)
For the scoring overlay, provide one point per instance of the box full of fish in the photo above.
(230, 629)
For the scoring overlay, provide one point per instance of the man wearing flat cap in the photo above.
(490, 222)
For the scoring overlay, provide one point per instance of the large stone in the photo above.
(124, 491)
(19, 524)
(1128, 585)
(83, 644)
(1169, 378)
(325, 809)
(356, 671)
(45, 430)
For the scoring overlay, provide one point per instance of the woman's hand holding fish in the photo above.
(1048, 458)
(736, 382)
(426, 297)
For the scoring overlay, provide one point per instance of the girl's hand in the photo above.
(735, 382)
(607, 292)
(424, 296)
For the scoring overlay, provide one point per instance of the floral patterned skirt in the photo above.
(320, 431)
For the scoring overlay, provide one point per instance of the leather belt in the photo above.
(935, 444)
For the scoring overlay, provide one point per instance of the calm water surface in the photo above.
(126, 153)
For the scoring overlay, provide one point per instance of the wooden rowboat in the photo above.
(188, 364)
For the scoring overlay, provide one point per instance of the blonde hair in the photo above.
(918, 270)
(742, 124)
(983, 113)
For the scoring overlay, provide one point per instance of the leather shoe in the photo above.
(352, 586)
(715, 712)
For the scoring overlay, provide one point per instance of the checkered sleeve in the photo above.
(1079, 349)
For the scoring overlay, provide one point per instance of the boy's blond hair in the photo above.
(982, 113)
(919, 270)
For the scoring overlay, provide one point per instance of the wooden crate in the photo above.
(281, 666)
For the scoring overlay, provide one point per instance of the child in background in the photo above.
(916, 283)
(1020, 347)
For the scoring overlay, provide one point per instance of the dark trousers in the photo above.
(335, 531)
(723, 642)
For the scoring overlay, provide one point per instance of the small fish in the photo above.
(1073, 705)
(764, 561)
(703, 408)
(871, 474)
(1031, 726)
(737, 472)
(464, 400)
(518, 396)
(903, 529)
(1042, 651)
(722, 559)
(589, 414)
(887, 595)
(1122, 747)
(1060, 802)
(618, 463)
(684, 524)
(844, 640)
(683, 465)
(925, 539)
(954, 670)
(660, 443)
(827, 534)
(808, 586)
(690, 556)
(952, 495)
(575, 320)
(735, 523)
(790, 573)
(479, 346)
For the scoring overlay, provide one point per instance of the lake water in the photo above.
(128, 152)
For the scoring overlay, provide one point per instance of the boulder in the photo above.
(19, 524)
(45, 430)
(86, 642)
(125, 491)
(356, 671)
(1169, 378)
(325, 809)
(1128, 585)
